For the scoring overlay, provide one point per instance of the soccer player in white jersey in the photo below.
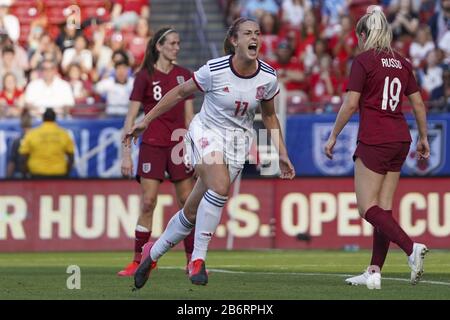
(234, 86)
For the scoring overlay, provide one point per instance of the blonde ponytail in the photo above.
(377, 30)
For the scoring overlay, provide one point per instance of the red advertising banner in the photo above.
(90, 215)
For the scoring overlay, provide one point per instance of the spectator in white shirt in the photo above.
(9, 23)
(79, 54)
(116, 90)
(49, 91)
(432, 76)
(422, 44)
(293, 11)
(444, 45)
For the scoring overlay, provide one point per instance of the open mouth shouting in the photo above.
(253, 49)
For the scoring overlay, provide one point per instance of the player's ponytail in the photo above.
(228, 46)
(376, 28)
(151, 53)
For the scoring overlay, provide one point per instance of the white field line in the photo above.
(307, 274)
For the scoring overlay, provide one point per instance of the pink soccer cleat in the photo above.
(197, 272)
(129, 270)
(145, 267)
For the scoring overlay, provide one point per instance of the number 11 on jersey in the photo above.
(238, 107)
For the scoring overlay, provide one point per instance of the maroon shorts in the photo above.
(382, 158)
(155, 161)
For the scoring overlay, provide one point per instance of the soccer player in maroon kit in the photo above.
(157, 76)
(378, 80)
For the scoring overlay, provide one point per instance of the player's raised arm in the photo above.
(172, 97)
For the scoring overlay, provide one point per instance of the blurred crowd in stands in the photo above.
(311, 44)
(75, 56)
(79, 56)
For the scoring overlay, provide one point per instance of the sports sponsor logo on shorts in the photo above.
(146, 167)
(180, 79)
(342, 163)
(437, 132)
(260, 92)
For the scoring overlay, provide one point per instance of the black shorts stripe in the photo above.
(194, 149)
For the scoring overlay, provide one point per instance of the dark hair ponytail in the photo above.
(151, 53)
(228, 47)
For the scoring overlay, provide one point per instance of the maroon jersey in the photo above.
(382, 80)
(149, 90)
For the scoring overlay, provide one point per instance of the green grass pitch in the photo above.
(249, 275)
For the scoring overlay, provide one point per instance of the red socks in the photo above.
(385, 224)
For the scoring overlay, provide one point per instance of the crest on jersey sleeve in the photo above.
(436, 134)
(342, 162)
(180, 79)
(260, 91)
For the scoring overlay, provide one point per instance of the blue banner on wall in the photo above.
(97, 146)
(307, 135)
(98, 142)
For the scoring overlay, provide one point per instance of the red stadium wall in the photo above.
(92, 215)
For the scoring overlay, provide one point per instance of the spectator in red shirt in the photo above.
(269, 36)
(138, 42)
(81, 88)
(323, 84)
(290, 70)
(312, 57)
(344, 43)
(11, 97)
(309, 34)
(379, 78)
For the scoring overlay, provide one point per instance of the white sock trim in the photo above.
(140, 228)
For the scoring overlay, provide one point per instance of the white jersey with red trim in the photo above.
(231, 99)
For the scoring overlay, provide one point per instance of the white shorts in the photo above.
(233, 144)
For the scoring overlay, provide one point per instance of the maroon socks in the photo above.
(141, 239)
(189, 243)
(384, 223)
(380, 246)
